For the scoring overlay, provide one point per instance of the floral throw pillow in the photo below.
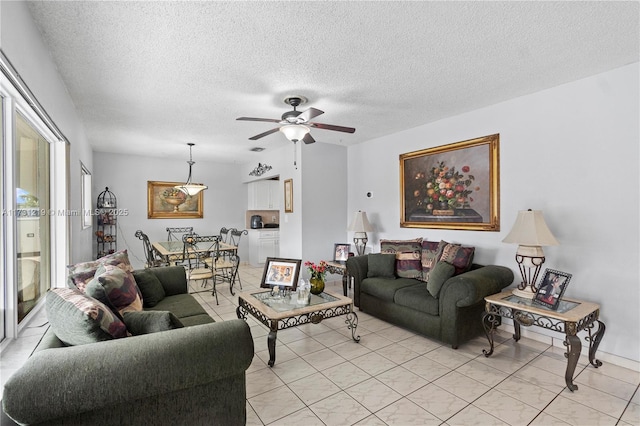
(81, 274)
(407, 253)
(78, 319)
(115, 288)
(459, 256)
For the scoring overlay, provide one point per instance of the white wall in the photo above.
(21, 43)
(571, 151)
(225, 202)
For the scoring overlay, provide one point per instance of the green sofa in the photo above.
(453, 317)
(184, 376)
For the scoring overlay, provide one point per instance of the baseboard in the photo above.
(559, 343)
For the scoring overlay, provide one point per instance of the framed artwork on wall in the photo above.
(166, 202)
(288, 196)
(453, 186)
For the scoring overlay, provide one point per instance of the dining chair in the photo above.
(174, 233)
(224, 234)
(195, 252)
(153, 260)
(234, 239)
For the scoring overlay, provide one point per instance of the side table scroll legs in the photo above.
(594, 341)
(574, 346)
(352, 324)
(271, 343)
(490, 321)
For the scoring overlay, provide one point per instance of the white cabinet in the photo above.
(263, 244)
(264, 195)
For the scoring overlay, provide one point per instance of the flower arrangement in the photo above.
(317, 271)
(444, 187)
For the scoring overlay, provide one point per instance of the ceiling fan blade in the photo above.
(332, 127)
(308, 139)
(269, 120)
(310, 114)
(261, 135)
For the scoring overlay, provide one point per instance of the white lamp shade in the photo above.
(530, 229)
(191, 188)
(294, 132)
(360, 223)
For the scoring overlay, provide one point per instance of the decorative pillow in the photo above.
(381, 265)
(439, 274)
(459, 256)
(150, 287)
(430, 255)
(115, 288)
(78, 319)
(146, 322)
(80, 274)
(408, 253)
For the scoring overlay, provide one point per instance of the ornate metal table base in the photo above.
(559, 322)
(294, 320)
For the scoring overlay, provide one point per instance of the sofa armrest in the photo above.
(473, 286)
(357, 267)
(98, 375)
(173, 279)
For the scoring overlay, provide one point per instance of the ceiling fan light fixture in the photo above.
(294, 132)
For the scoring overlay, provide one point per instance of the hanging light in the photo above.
(294, 132)
(191, 188)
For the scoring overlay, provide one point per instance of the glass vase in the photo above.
(317, 285)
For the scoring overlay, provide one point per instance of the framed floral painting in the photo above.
(453, 186)
(166, 202)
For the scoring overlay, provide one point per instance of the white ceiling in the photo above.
(148, 77)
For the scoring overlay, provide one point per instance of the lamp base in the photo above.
(527, 293)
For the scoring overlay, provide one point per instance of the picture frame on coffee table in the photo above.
(280, 272)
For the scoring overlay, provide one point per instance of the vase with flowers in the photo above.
(318, 272)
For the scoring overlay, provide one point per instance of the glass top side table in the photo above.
(571, 317)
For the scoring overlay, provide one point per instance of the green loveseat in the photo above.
(185, 376)
(453, 317)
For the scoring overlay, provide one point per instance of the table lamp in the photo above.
(360, 225)
(530, 232)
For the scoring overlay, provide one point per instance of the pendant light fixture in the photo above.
(191, 188)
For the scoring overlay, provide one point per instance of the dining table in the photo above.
(172, 251)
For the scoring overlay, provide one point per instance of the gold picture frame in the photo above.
(288, 196)
(165, 203)
(454, 186)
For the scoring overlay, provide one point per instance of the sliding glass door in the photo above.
(32, 218)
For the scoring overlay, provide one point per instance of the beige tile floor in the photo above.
(396, 377)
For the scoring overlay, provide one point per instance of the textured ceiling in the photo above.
(148, 77)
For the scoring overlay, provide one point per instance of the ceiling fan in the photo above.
(295, 124)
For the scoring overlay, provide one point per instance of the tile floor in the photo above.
(395, 377)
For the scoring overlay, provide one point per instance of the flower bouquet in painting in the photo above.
(443, 189)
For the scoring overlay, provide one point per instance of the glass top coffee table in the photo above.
(280, 312)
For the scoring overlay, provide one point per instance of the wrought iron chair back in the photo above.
(174, 233)
(224, 234)
(150, 255)
(234, 240)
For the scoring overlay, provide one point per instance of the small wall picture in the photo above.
(281, 273)
(552, 287)
(341, 252)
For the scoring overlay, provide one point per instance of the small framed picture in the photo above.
(341, 252)
(281, 273)
(552, 287)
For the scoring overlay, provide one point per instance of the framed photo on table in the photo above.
(552, 287)
(281, 273)
(341, 252)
